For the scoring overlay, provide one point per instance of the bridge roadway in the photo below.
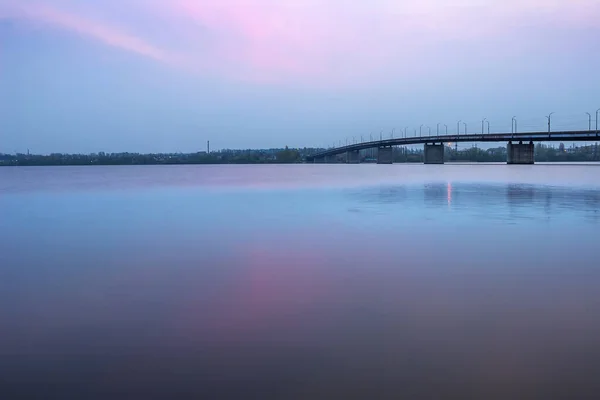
(518, 153)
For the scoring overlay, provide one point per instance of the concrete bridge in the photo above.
(520, 146)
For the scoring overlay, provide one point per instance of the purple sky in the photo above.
(168, 75)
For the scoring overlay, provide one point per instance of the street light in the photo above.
(488, 123)
(446, 129)
(597, 111)
(513, 127)
(465, 127)
(482, 124)
(590, 121)
(420, 130)
(438, 129)
(549, 116)
(405, 132)
(458, 127)
(392, 135)
(429, 131)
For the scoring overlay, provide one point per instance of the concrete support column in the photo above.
(319, 160)
(330, 159)
(352, 157)
(433, 154)
(521, 153)
(385, 155)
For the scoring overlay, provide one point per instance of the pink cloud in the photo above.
(271, 40)
(318, 42)
(260, 38)
(334, 41)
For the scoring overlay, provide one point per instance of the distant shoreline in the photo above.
(543, 153)
(462, 162)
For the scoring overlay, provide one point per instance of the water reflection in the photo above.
(497, 202)
(522, 194)
(435, 194)
(451, 289)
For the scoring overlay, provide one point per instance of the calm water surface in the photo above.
(300, 282)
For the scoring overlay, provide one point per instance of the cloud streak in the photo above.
(78, 24)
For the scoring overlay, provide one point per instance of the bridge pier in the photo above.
(319, 160)
(521, 153)
(433, 154)
(329, 159)
(353, 157)
(385, 155)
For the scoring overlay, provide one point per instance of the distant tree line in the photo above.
(269, 156)
(543, 153)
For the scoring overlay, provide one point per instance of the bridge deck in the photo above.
(571, 136)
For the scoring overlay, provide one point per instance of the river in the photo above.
(300, 281)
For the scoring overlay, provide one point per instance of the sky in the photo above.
(169, 75)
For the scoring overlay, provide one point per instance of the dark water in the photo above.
(300, 282)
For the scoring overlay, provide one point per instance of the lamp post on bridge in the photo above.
(482, 124)
(458, 127)
(513, 127)
(405, 128)
(597, 111)
(488, 124)
(465, 127)
(446, 129)
(392, 134)
(438, 129)
(429, 131)
(421, 130)
(549, 116)
(590, 121)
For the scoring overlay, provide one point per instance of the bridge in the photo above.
(520, 148)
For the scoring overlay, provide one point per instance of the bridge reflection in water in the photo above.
(496, 202)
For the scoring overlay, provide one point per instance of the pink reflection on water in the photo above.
(274, 290)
